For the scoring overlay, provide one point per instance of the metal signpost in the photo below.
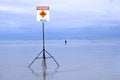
(43, 15)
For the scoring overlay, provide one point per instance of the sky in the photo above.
(69, 19)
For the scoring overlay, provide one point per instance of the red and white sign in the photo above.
(42, 13)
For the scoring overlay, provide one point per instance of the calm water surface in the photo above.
(79, 60)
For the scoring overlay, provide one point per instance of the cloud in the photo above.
(19, 17)
(77, 13)
(15, 9)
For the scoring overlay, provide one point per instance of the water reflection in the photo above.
(45, 74)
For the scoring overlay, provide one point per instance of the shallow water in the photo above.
(79, 59)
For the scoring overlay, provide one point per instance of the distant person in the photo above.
(65, 42)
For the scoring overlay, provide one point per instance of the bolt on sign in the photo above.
(42, 13)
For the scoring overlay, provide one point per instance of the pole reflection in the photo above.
(44, 75)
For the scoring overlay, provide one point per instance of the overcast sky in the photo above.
(19, 17)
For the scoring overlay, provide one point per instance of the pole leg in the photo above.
(52, 58)
(35, 59)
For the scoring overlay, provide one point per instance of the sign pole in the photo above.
(44, 57)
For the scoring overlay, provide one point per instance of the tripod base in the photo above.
(44, 64)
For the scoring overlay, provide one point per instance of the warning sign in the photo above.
(42, 13)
